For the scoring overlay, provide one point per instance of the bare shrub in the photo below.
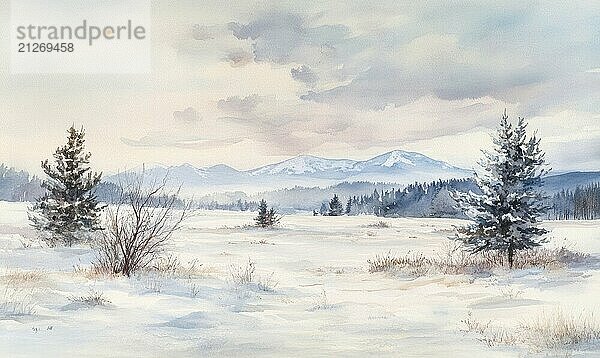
(152, 282)
(454, 260)
(487, 333)
(242, 274)
(26, 244)
(193, 289)
(510, 293)
(139, 225)
(91, 299)
(473, 325)
(167, 265)
(321, 303)
(267, 283)
(245, 275)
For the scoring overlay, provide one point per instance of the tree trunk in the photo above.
(510, 255)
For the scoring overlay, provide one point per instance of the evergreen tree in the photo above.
(324, 210)
(69, 209)
(266, 217)
(506, 213)
(349, 206)
(335, 206)
(273, 217)
(262, 220)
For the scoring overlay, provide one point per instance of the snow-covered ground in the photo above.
(316, 297)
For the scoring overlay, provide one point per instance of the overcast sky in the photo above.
(246, 84)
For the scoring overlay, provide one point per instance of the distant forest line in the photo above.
(434, 199)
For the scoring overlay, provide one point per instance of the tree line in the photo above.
(582, 203)
(18, 185)
(238, 205)
(416, 200)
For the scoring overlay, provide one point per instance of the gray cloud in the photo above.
(238, 58)
(304, 74)
(386, 84)
(187, 115)
(202, 33)
(285, 37)
(372, 89)
(469, 50)
(237, 104)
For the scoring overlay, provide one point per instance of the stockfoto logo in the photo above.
(87, 32)
(68, 36)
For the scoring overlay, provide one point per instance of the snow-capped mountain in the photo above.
(405, 167)
(307, 165)
(398, 166)
(399, 158)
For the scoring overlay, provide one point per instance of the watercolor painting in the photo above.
(188, 178)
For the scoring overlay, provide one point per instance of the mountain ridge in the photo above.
(397, 166)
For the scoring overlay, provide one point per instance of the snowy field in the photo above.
(311, 294)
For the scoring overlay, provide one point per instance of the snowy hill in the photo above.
(394, 167)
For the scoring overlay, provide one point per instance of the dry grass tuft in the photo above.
(559, 329)
(245, 275)
(321, 303)
(15, 301)
(267, 283)
(261, 242)
(380, 225)
(171, 266)
(242, 274)
(486, 332)
(455, 260)
(94, 272)
(546, 331)
(21, 278)
(415, 264)
(92, 298)
(18, 294)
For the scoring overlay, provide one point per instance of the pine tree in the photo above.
(335, 206)
(506, 214)
(324, 210)
(69, 209)
(262, 220)
(349, 206)
(273, 217)
(266, 217)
